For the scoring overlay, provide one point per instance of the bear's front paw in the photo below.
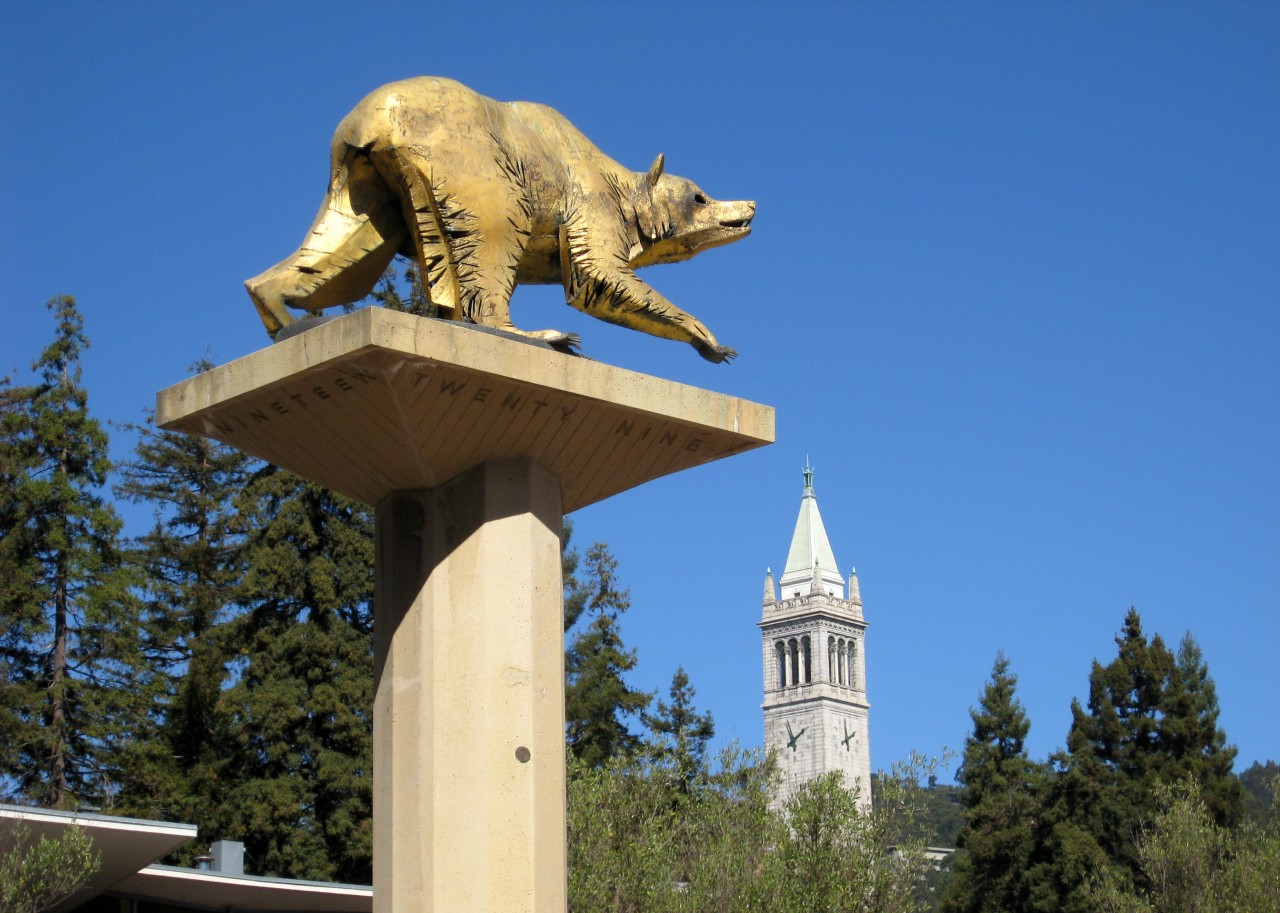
(569, 343)
(717, 354)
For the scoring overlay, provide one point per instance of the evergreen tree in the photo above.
(409, 297)
(1261, 783)
(999, 799)
(597, 699)
(17, 572)
(68, 642)
(576, 592)
(1115, 747)
(1193, 746)
(679, 734)
(1076, 808)
(1151, 722)
(295, 775)
(191, 565)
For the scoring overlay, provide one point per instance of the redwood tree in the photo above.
(294, 773)
(1000, 798)
(68, 639)
(598, 700)
(190, 562)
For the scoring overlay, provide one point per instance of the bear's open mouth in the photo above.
(736, 223)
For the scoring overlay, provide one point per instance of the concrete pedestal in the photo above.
(468, 716)
(470, 446)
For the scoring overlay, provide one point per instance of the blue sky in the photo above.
(1012, 287)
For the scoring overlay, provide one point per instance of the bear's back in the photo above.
(435, 113)
(416, 111)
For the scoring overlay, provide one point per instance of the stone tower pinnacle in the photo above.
(815, 682)
(810, 553)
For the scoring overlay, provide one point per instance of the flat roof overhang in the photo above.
(128, 847)
(125, 845)
(219, 891)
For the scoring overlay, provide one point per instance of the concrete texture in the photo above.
(469, 783)
(378, 401)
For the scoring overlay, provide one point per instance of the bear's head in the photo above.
(676, 220)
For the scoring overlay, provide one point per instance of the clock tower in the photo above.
(815, 672)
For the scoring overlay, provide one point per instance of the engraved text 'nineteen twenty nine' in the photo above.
(317, 393)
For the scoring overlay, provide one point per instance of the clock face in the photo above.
(795, 738)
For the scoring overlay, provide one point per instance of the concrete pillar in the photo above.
(469, 709)
(468, 761)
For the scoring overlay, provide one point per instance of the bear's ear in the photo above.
(655, 170)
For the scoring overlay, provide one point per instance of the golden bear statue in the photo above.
(487, 195)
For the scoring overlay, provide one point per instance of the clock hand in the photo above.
(794, 737)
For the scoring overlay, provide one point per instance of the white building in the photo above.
(815, 672)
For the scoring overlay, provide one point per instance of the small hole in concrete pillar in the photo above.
(522, 755)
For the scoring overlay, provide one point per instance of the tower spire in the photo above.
(810, 552)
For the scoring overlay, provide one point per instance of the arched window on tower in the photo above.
(795, 660)
(842, 656)
(808, 659)
(853, 657)
(780, 650)
(831, 659)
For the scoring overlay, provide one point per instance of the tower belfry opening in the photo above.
(815, 678)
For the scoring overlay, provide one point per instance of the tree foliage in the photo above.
(940, 818)
(36, 874)
(678, 733)
(1151, 720)
(218, 668)
(639, 841)
(1189, 863)
(1193, 746)
(404, 291)
(835, 857)
(1001, 788)
(598, 701)
(67, 640)
(190, 564)
(295, 776)
(575, 591)
(1261, 783)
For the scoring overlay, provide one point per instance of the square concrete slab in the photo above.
(378, 401)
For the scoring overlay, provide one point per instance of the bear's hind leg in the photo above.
(429, 224)
(353, 239)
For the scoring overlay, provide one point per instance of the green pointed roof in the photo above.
(809, 543)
